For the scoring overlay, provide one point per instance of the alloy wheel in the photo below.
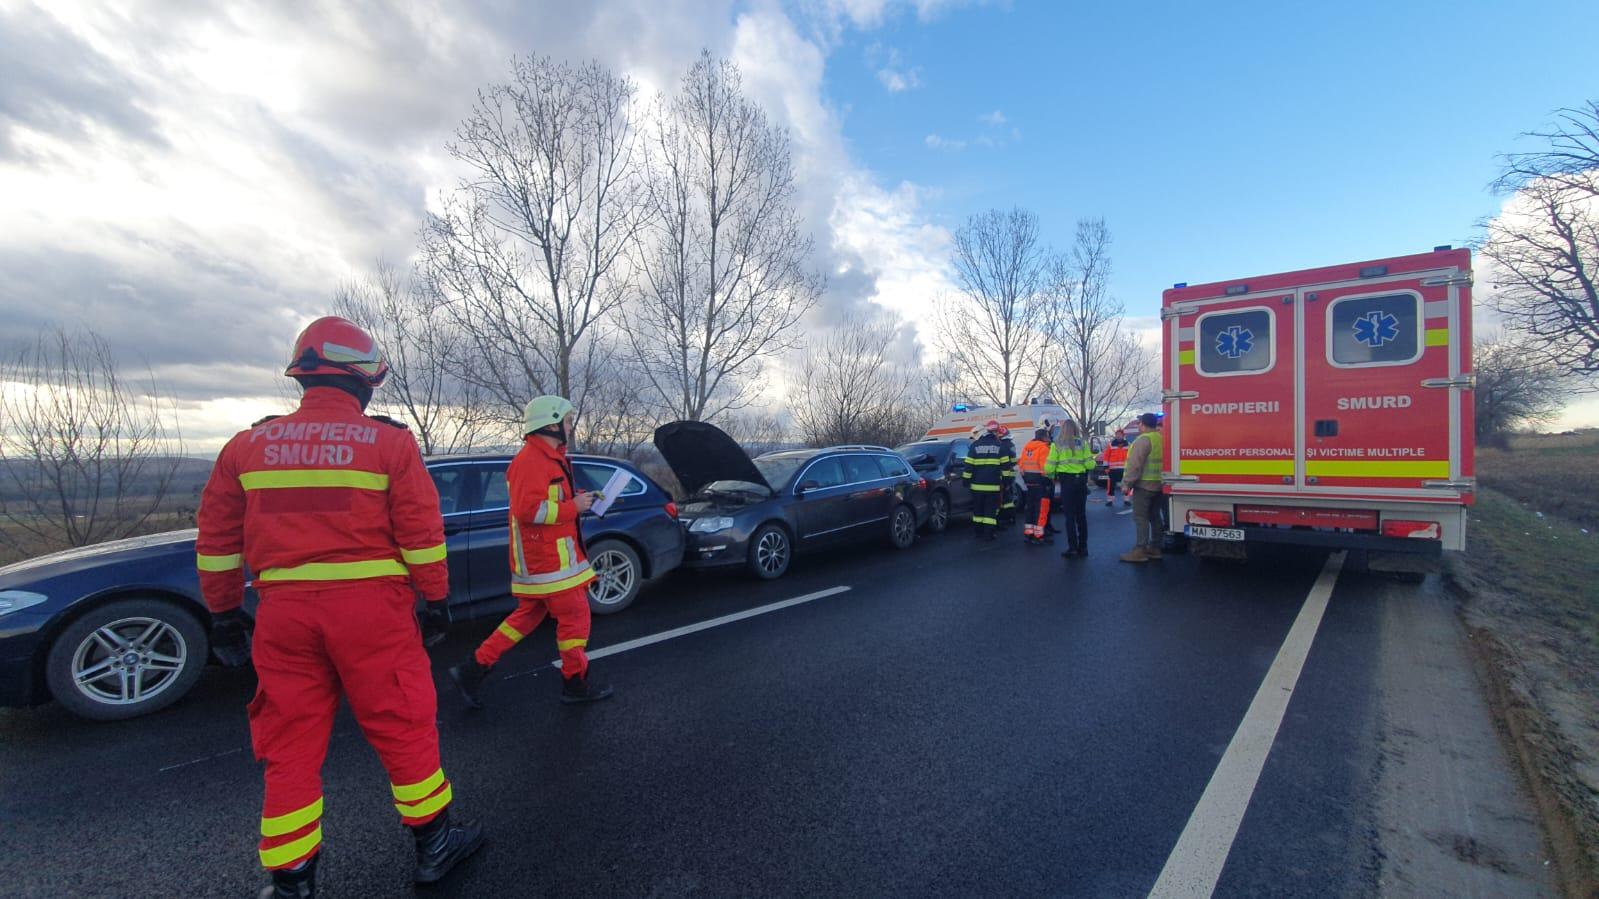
(129, 660)
(614, 577)
(771, 553)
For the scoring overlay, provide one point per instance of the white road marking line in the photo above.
(684, 631)
(1196, 862)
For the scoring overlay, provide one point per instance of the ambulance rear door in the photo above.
(1384, 359)
(1230, 393)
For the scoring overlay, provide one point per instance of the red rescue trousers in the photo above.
(570, 610)
(311, 644)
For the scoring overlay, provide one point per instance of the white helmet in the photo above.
(978, 431)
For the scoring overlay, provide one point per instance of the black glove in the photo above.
(230, 638)
(435, 620)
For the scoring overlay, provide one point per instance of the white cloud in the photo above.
(897, 81)
(195, 181)
(939, 142)
(995, 118)
(892, 70)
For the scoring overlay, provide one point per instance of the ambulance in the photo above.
(1022, 420)
(1326, 407)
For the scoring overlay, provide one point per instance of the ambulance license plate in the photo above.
(1204, 533)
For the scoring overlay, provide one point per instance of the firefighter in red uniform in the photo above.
(334, 514)
(549, 567)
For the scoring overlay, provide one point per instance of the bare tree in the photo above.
(849, 390)
(86, 456)
(723, 258)
(935, 389)
(529, 252)
(425, 348)
(1545, 245)
(993, 332)
(756, 432)
(1096, 370)
(616, 416)
(1516, 387)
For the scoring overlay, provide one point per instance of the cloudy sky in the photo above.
(193, 179)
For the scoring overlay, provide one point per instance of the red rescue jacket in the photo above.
(547, 554)
(323, 495)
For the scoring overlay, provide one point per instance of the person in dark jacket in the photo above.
(989, 468)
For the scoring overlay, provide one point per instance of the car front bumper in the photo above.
(716, 550)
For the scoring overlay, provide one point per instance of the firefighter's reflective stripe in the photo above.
(313, 477)
(511, 633)
(1238, 466)
(549, 511)
(337, 571)
(424, 556)
(995, 460)
(282, 825)
(291, 852)
(516, 547)
(1353, 469)
(564, 645)
(218, 563)
(1438, 337)
(536, 585)
(427, 806)
(563, 552)
(985, 488)
(979, 519)
(419, 790)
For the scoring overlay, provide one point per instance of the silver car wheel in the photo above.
(129, 660)
(615, 575)
(772, 552)
(904, 526)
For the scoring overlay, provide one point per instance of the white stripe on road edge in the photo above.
(684, 631)
(1196, 863)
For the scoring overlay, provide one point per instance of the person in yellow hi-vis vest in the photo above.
(1070, 460)
(1144, 461)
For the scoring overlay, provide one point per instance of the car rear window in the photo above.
(892, 467)
(826, 473)
(858, 469)
(496, 493)
(592, 476)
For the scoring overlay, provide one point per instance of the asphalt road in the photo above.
(963, 720)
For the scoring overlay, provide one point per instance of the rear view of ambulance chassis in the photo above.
(1328, 407)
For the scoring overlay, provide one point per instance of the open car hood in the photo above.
(700, 453)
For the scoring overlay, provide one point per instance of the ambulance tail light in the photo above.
(1210, 519)
(1417, 530)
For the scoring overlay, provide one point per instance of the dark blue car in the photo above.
(119, 629)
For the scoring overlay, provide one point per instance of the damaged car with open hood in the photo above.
(760, 512)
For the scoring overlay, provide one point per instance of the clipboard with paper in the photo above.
(611, 492)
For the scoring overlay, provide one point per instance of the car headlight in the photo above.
(710, 525)
(17, 600)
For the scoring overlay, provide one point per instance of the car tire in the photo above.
(165, 645)
(937, 513)
(902, 527)
(770, 552)
(620, 574)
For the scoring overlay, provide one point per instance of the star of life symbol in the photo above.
(1377, 328)
(1235, 342)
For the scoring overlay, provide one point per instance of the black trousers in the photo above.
(1074, 505)
(985, 509)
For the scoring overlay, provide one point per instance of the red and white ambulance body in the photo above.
(1330, 406)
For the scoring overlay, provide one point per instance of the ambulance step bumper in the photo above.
(1333, 540)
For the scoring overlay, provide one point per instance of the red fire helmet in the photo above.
(335, 346)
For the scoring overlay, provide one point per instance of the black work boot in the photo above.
(441, 846)
(469, 677)
(293, 883)
(580, 689)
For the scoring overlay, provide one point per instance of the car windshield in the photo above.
(778, 469)
(735, 487)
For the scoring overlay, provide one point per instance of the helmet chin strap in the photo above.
(555, 431)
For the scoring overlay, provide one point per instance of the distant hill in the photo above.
(184, 490)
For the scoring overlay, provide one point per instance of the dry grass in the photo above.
(1553, 474)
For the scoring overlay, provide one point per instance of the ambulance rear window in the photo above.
(1372, 331)
(1235, 342)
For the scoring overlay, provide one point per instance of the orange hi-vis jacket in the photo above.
(1116, 456)
(547, 554)
(1035, 461)
(323, 495)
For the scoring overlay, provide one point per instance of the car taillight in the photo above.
(671, 509)
(1208, 518)
(922, 483)
(1419, 530)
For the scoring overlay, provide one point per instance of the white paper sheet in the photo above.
(611, 492)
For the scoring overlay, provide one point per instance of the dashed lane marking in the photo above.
(684, 631)
(1196, 863)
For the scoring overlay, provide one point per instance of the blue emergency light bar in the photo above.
(959, 407)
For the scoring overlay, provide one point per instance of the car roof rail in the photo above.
(859, 446)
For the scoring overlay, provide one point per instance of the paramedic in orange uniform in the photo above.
(1035, 469)
(334, 514)
(549, 568)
